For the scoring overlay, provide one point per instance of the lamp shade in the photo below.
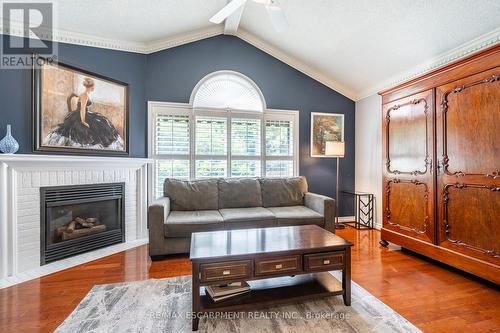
(334, 149)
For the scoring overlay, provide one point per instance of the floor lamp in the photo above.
(336, 149)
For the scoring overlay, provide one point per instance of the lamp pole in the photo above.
(337, 225)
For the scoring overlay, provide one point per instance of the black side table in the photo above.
(364, 206)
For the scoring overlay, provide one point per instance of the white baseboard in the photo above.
(343, 219)
(69, 262)
(346, 219)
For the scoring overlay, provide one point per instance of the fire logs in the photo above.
(77, 233)
(80, 227)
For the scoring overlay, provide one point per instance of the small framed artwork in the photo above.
(78, 112)
(325, 127)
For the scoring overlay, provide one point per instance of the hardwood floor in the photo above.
(432, 296)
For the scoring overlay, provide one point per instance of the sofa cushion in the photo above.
(183, 223)
(246, 218)
(280, 192)
(192, 195)
(246, 214)
(296, 215)
(239, 193)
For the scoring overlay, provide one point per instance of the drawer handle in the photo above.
(226, 272)
(279, 266)
(326, 262)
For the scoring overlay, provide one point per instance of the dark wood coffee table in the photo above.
(283, 264)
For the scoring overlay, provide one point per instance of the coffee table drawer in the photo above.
(273, 266)
(226, 270)
(324, 261)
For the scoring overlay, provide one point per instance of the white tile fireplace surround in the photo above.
(21, 177)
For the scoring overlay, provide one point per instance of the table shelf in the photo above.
(273, 291)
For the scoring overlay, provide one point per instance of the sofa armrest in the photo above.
(323, 205)
(157, 216)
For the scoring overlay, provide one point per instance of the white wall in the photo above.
(368, 162)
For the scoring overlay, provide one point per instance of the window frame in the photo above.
(156, 107)
(246, 79)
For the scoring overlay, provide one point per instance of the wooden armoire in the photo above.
(441, 172)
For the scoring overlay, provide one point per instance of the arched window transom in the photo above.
(228, 90)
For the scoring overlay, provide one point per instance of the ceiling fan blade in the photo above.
(227, 11)
(278, 18)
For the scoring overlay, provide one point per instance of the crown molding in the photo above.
(71, 37)
(295, 63)
(478, 44)
(185, 38)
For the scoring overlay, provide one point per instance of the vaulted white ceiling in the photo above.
(354, 46)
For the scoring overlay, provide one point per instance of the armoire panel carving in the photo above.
(470, 125)
(407, 205)
(407, 129)
(471, 217)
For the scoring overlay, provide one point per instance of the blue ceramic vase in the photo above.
(9, 145)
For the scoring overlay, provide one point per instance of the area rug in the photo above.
(164, 305)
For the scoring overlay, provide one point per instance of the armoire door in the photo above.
(468, 143)
(408, 150)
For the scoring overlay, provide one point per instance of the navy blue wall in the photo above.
(15, 91)
(173, 73)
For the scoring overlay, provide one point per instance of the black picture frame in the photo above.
(38, 62)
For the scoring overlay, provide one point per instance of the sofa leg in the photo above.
(384, 243)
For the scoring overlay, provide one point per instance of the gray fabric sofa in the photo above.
(232, 203)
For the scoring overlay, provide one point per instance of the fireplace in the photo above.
(78, 219)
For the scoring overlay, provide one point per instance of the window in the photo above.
(171, 142)
(279, 146)
(228, 90)
(246, 154)
(209, 138)
(279, 137)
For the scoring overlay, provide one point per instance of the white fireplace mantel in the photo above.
(25, 160)
(21, 177)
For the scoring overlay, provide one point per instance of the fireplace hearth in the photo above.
(78, 219)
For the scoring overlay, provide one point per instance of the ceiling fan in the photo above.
(235, 7)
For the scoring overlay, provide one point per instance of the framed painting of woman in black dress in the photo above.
(78, 112)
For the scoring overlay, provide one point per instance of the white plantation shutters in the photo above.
(171, 148)
(210, 147)
(279, 168)
(279, 137)
(245, 137)
(211, 135)
(245, 168)
(280, 149)
(172, 134)
(210, 168)
(178, 169)
(246, 142)
(203, 143)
